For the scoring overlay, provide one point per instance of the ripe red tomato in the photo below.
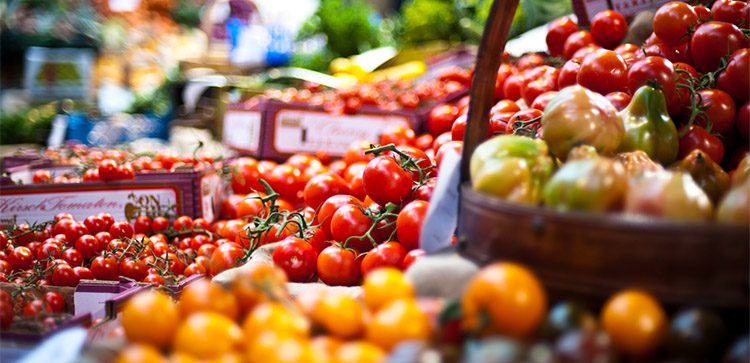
(603, 71)
(735, 79)
(650, 70)
(386, 254)
(225, 257)
(55, 301)
(441, 118)
(743, 121)
(513, 87)
(531, 115)
(720, 111)
(6, 310)
(125, 171)
(619, 99)
(286, 180)
(398, 135)
(159, 224)
(83, 273)
(698, 138)
(105, 268)
(545, 82)
(608, 28)
(95, 224)
(121, 230)
(712, 41)
(541, 102)
(386, 182)
(558, 32)
(503, 72)
(731, 11)
(455, 146)
(424, 192)
(21, 258)
(63, 275)
(575, 42)
(419, 157)
(154, 279)
(183, 223)
(673, 21)
(142, 225)
(133, 268)
(350, 221)
(338, 266)
(41, 176)
(322, 187)
(245, 175)
(104, 238)
(297, 258)
(88, 245)
(36, 307)
(409, 223)
(569, 73)
(412, 257)
(194, 269)
(73, 257)
(108, 170)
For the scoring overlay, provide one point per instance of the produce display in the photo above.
(250, 256)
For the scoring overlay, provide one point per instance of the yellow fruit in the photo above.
(396, 322)
(140, 353)
(151, 318)
(360, 352)
(273, 347)
(635, 322)
(204, 295)
(207, 335)
(341, 315)
(277, 318)
(385, 285)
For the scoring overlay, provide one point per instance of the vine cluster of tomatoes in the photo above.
(698, 57)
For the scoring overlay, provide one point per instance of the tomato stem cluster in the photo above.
(406, 161)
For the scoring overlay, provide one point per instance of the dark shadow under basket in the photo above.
(591, 256)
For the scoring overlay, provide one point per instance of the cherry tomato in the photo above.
(35, 308)
(513, 87)
(194, 269)
(545, 82)
(55, 301)
(412, 257)
(635, 321)
(142, 225)
(63, 275)
(653, 69)
(245, 175)
(386, 182)
(107, 169)
(441, 118)
(452, 146)
(322, 187)
(672, 22)
(529, 119)
(743, 121)
(225, 257)
(121, 230)
(6, 310)
(125, 171)
(558, 32)
(159, 224)
(95, 224)
(349, 221)
(83, 273)
(730, 11)
(105, 268)
(712, 41)
(133, 268)
(735, 79)
(541, 102)
(21, 258)
(608, 28)
(719, 111)
(409, 223)
(286, 180)
(297, 258)
(698, 138)
(387, 254)
(575, 42)
(338, 266)
(503, 72)
(603, 71)
(183, 223)
(569, 73)
(88, 245)
(41, 176)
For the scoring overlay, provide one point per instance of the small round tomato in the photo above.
(569, 73)
(529, 119)
(731, 11)
(322, 187)
(698, 138)
(133, 268)
(55, 301)
(608, 28)
(719, 111)
(412, 257)
(159, 224)
(95, 224)
(105, 268)
(338, 266)
(558, 32)
(245, 175)
(513, 87)
(107, 169)
(348, 221)
(541, 102)
(398, 135)
(21, 258)
(225, 257)
(63, 275)
(635, 322)
(88, 245)
(386, 182)
(286, 180)
(150, 317)
(83, 273)
(121, 230)
(441, 118)
(653, 70)
(41, 176)
(49, 250)
(297, 258)
(673, 21)
(183, 223)
(386, 254)
(142, 225)
(409, 223)
(712, 41)
(603, 71)
(35, 308)
(735, 79)
(545, 82)
(743, 121)
(576, 41)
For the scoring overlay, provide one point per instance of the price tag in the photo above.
(242, 130)
(442, 216)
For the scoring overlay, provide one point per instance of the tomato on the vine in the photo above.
(338, 266)
(719, 111)
(63, 275)
(619, 99)
(673, 21)
(350, 221)
(569, 73)
(225, 257)
(386, 182)
(121, 230)
(322, 187)
(409, 223)
(412, 257)
(21, 258)
(712, 41)
(697, 137)
(297, 258)
(105, 268)
(735, 79)
(88, 245)
(386, 254)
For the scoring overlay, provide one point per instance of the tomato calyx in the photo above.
(405, 161)
(387, 213)
(528, 128)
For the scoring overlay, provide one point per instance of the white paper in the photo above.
(59, 128)
(442, 216)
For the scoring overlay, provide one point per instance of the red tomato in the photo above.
(513, 86)
(6, 310)
(317, 238)
(63, 275)
(183, 223)
(541, 102)
(619, 99)
(142, 225)
(503, 72)
(330, 206)
(719, 109)
(107, 218)
(132, 268)
(297, 258)
(121, 230)
(650, 70)
(73, 257)
(730, 11)
(286, 180)
(386, 182)
(673, 21)
(245, 175)
(95, 224)
(108, 170)
(546, 82)
(225, 257)
(412, 257)
(420, 159)
(338, 266)
(735, 79)
(83, 273)
(458, 129)
(698, 138)
(558, 32)
(455, 146)
(575, 42)
(530, 116)
(88, 245)
(21, 258)
(409, 223)
(603, 71)
(356, 152)
(743, 121)
(55, 301)
(424, 192)
(104, 238)
(353, 176)
(441, 118)
(442, 139)
(41, 176)
(349, 221)
(35, 308)
(194, 269)
(703, 13)
(398, 135)
(228, 207)
(712, 41)
(125, 171)
(322, 187)
(569, 73)
(387, 254)
(105, 268)
(608, 28)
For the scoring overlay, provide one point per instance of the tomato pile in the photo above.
(504, 310)
(34, 309)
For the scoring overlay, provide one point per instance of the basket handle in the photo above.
(485, 73)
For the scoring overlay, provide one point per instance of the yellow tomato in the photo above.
(512, 296)
(140, 353)
(258, 283)
(325, 347)
(274, 347)
(151, 318)
(385, 285)
(277, 318)
(203, 295)
(341, 315)
(635, 321)
(360, 352)
(396, 322)
(208, 335)
(177, 357)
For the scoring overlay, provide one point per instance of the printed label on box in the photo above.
(33, 206)
(312, 131)
(242, 130)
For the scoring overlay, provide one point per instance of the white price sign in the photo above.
(242, 130)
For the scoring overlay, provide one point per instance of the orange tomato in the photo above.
(274, 347)
(360, 352)
(277, 318)
(385, 285)
(203, 295)
(256, 283)
(635, 321)
(512, 296)
(207, 335)
(140, 353)
(250, 205)
(325, 347)
(151, 318)
(398, 321)
(341, 315)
